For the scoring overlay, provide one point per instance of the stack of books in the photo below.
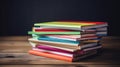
(67, 40)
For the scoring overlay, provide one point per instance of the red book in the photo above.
(51, 30)
(60, 30)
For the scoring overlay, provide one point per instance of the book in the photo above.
(61, 53)
(70, 37)
(32, 32)
(34, 45)
(66, 33)
(92, 48)
(44, 38)
(56, 49)
(60, 31)
(60, 57)
(101, 33)
(72, 25)
(39, 28)
(34, 42)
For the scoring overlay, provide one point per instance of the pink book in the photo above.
(45, 47)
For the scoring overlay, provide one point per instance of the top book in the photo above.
(74, 25)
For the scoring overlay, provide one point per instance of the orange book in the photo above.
(50, 55)
(61, 57)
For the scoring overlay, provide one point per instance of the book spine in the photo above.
(50, 55)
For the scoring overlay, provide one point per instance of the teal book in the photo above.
(58, 40)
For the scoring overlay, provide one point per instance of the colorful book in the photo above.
(61, 53)
(72, 25)
(35, 42)
(44, 38)
(60, 32)
(56, 49)
(60, 43)
(32, 32)
(71, 37)
(39, 28)
(34, 45)
(67, 33)
(60, 57)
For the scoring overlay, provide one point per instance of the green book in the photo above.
(32, 32)
(72, 25)
(61, 24)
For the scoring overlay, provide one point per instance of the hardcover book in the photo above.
(61, 57)
(34, 42)
(72, 25)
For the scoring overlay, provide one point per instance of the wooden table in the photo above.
(13, 53)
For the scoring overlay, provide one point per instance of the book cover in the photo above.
(58, 31)
(60, 57)
(70, 47)
(44, 38)
(72, 44)
(73, 37)
(34, 45)
(32, 32)
(74, 25)
(43, 29)
(57, 44)
(50, 55)
(61, 53)
(51, 48)
(84, 47)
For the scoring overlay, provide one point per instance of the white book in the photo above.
(59, 53)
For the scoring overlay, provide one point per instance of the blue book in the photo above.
(58, 40)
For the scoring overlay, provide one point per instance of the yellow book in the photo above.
(70, 25)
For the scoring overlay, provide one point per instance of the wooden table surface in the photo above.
(13, 53)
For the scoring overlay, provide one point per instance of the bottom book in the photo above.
(61, 57)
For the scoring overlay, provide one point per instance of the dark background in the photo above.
(18, 16)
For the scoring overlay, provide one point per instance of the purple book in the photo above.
(51, 48)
